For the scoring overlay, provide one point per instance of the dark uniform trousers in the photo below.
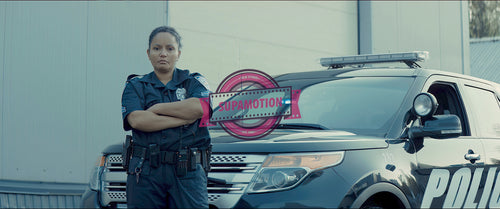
(161, 188)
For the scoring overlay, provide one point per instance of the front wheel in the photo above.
(383, 201)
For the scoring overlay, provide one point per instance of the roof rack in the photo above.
(409, 58)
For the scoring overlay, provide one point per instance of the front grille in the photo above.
(228, 158)
(113, 182)
(213, 197)
(236, 170)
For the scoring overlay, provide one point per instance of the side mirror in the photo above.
(439, 127)
(435, 126)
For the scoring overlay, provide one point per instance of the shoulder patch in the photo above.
(203, 81)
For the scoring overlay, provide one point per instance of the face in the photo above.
(163, 52)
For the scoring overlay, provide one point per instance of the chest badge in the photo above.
(181, 93)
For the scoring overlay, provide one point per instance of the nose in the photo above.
(163, 53)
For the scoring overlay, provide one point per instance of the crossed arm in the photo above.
(166, 115)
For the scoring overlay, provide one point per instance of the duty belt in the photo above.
(168, 157)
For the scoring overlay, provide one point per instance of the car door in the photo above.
(450, 170)
(483, 104)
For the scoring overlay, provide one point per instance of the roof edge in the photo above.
(485, 39)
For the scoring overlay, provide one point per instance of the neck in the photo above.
(163, 76)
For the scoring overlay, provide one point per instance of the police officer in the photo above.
(170, 150)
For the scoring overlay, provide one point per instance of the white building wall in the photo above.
(43, 69)
(273, 36)
(3, 12)
(64, 66)
(440, 27)
(63, 63)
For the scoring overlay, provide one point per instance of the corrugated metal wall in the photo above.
(484, 54)
(13, 200)
(21, 194)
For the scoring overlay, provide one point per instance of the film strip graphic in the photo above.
(249, 104)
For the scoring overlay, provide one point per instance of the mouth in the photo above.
(163, 62)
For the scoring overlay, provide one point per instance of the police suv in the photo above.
(384, 137)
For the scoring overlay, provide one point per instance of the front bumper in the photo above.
(90, 199)
(322, 189)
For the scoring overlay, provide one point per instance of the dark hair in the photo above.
(168, 30)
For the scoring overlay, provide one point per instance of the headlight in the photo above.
(95, 175)
(284, 171)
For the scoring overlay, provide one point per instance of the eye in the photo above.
(171, 48)
(156, 48)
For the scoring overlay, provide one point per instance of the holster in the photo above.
(187, 159)
(205, 158)
(181, 167)
(127, 151)
(154, 153)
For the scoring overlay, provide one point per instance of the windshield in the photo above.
(361, 105)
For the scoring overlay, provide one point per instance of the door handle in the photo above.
(472, 157)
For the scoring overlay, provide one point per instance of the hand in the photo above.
(153, 108)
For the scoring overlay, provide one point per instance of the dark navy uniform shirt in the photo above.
(142, 92)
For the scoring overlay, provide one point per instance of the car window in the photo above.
(449, 103)
(487, 111)
(359, 105)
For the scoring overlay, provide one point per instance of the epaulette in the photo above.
(194, 74)
(202, 80)
(132, 76)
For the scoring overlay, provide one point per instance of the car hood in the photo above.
(285, 141)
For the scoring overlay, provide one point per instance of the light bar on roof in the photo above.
(375, 58)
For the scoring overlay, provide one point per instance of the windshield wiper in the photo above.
(301, 126)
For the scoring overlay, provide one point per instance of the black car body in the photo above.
(358, 144)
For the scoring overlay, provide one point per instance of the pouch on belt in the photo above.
(127, 151)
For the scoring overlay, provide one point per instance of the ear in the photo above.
(179, 55)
